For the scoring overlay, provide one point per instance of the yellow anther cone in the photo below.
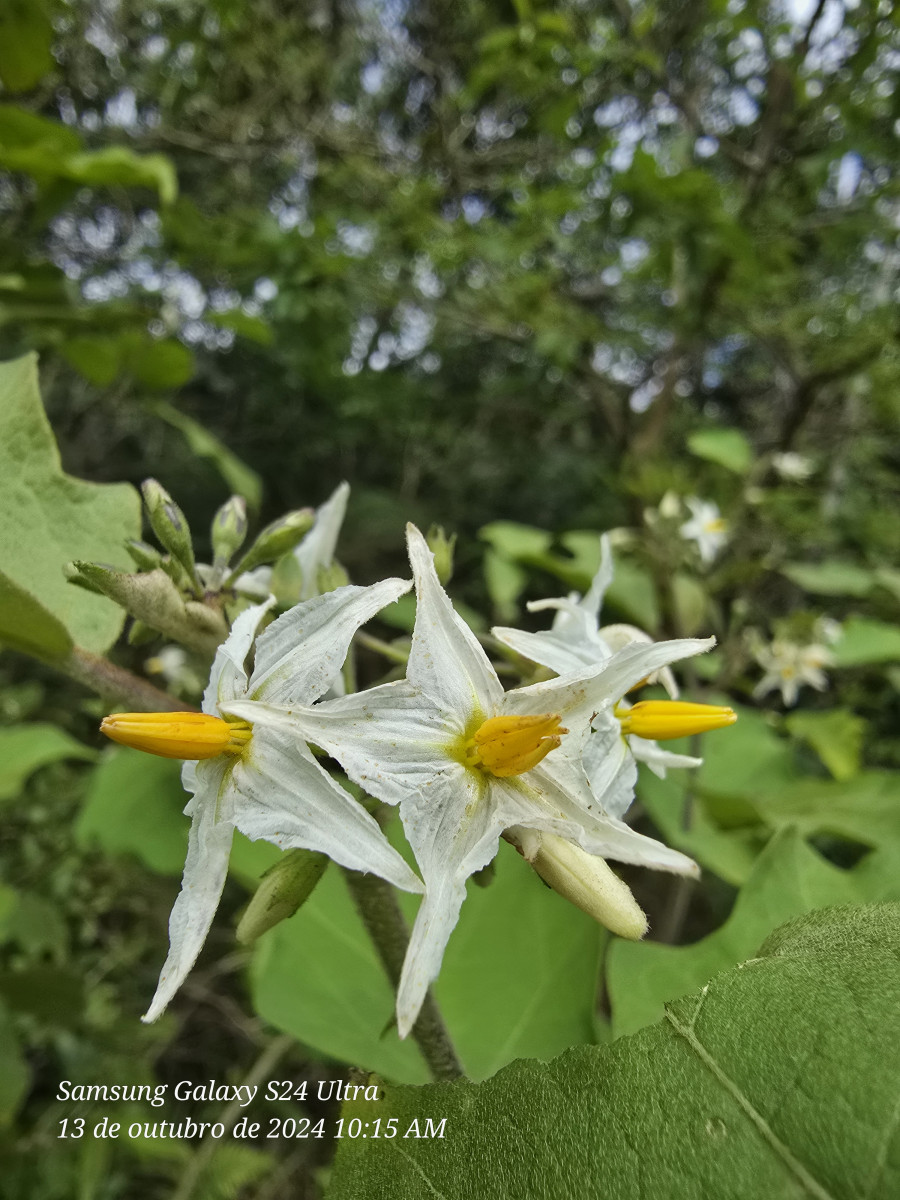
(512, 745)
(188, 735)
(663, 720)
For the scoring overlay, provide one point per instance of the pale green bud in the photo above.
(585, 880)
(329, 578)
(229, 528)
(169, 524)
(283, 888)
(275, 540)
(442, 547)
(144, 556)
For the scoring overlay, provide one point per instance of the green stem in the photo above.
(377, 904)
(385, 649)
(104, 677)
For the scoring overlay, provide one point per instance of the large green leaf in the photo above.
(835, 735)
(518, 978)
(788, 879)
(134, 806)
(49, 519)
(777, 1079)
(25, 748)
(832, 578)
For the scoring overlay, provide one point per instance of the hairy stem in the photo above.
(377, 904)
(104, 677)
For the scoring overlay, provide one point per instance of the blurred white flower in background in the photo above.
(792, 466)
(707, 527)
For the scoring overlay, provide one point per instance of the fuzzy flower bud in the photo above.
(283, 888)
(169, 524)
(229, 528)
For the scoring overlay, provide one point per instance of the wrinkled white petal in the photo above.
(205, 869)
(609, 766)
(593, 597)
(285, 797)
(299, 655)
(228, 676)
(317, 547)
(549, 650)
(446, 661)
(453, 831)
(389, 740)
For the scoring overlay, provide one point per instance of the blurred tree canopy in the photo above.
(406, 234)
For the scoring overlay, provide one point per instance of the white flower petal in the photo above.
(227, 676)
(550, 650)
(610, 767)
(389, 740)
(205, 868)
(286, 798)
(592, 600)
(299, 655)
(454, 831)
(317, 547)
(447, 661)
(647, 751)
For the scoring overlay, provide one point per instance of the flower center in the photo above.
(177, 734)
(512, 745)
(666, 719)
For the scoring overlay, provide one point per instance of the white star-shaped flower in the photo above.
(252, 774)
(466, 761)
(707, 527)
(577, 640)
(788, 666)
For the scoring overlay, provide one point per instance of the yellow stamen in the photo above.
(666, 719)
(177, 734)
(512, 745)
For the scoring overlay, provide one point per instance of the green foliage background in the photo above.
(528, 270)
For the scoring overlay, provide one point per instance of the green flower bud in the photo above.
(229, 528)
(331, 577)
(442, 548)
(169, 524)
(144, 556)
(276, 539)
(281, 891)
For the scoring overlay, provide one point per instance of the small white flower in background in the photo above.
(249, 774)
(707, 527)
(174, 665)
(827, 629)
(467, 761)
(792, 466)
(577, 640)
(788, 666)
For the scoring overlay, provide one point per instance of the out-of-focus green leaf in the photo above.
(243, 324)
(727, 447)
(20, 129)
(98, 359)
(743, 1090)
(134, 806)
(691, 605)
(864, 641)
(505, 581)
(157, 364)
(14, 1073)
(25, 748)
(518, 977)
(836, 736)
(49, 519)
(242, 480)
(788, 879)
(742, 762)
(863, 809)
(831, 578)
(515, 541)
(121, 166)
(729, 853)
(26, 35)
(633, 594)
